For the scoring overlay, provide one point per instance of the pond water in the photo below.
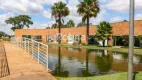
(77, 62)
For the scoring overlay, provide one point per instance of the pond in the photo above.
(81, 62)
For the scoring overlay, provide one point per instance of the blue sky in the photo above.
(39, 10)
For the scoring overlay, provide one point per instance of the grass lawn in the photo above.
(124, 50)
(118, 76)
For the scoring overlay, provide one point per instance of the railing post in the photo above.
(25, 45)
(28, 46)
(32, 49)
(22, 43)
(16, 42)
(38, 53)
(47, 57)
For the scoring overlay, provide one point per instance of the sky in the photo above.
(40, 12)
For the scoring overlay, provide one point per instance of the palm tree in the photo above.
(54, 26)
(70, 24)
(88, 9)
(104, 31)
(58, 11)
(81, 24)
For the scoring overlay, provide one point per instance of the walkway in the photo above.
(23, 67)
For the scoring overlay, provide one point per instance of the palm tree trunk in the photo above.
(87, 30)
(59, 59)
(87, 66)
(103, 43)
(59, 35)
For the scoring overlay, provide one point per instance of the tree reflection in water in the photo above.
(59, 70)
(85, 73)
(103, 62)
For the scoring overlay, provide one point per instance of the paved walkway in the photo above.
(23, 67)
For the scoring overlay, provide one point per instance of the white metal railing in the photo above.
(38, 50)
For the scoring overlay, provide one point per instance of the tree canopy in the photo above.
(104, 31)
(2, 34)
(88, 8)
(70, 24)
(19, 22)
(54, 26)
(59, 10)
(81, 24)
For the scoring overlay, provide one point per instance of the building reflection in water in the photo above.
(73, 62)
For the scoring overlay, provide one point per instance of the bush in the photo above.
(1, 40)
(76, 43)
(109, 45)
(83, 44)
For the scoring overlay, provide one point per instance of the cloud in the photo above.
(26, 6)
(99, 18)
(48, 2)
(47, 14)
(3, 26)
(77, 18)
(21, 6)
(138, 17)
(72, 5)
(38, 25)
(116, 19)
(122, 5)
(102, 1)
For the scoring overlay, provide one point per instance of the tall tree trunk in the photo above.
(59, 60)
(59, 27)
(103, 43)
(87, 30)
(87, 66)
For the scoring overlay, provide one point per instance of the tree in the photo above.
(47, 27)
(19, 22)
(2, 34)
(104, 31)
(140, 39)
(125, 40)
(88, 9)
(81, 24)
(54, 26)
(58, 11)
(70, 24)
(125, 20)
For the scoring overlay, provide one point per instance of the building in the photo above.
(78, 34)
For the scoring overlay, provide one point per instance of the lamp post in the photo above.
(131, 41)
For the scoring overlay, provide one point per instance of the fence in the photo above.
(4, 68)
(37, 50)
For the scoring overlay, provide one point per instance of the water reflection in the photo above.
(85, 72)
(59, 69)
(72, 62)
(104, 62)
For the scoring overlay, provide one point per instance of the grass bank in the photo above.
(118, 76)
(124, 50)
